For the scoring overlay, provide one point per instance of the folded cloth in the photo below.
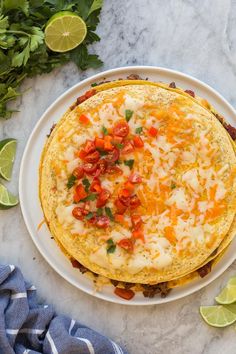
(27, 327)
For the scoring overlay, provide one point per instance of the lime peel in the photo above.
(228, 294)
(218, 315)
(7, 157)
(7, 199)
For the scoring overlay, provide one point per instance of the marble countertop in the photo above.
(178, 34)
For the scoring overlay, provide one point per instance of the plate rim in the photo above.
(100, 75)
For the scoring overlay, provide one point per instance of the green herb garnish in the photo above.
(104, 130)
(71, 181)
(111, 246)
(94, 84)
(86, 184)
(139, 130)
(89, 216)
(109, 213)
(99, 211)
(173, 185)
(102, 153)
(128, 114)
(129, 163)
(23, 50)
(120, 146)
(89, 197)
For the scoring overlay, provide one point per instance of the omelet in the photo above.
(137, 182)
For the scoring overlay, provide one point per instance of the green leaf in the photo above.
(99, 211)
(16, 4)
(109, 213)
(83, 7)
(71, 181)
(36, 38)
(96, 5)
(89, 216)
(128, 114)
(120, 146)
(21, 58)
(129, 163)
(4, 22)
(86, 184)
(139, 130)
(104, 130)
(111, 249)
(173, 185)
(91, 197)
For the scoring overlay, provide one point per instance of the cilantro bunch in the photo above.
(22, 48)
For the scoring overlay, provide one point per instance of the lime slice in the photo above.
(7, 156)
(228, 294)
(219, 316)
(7, 200)
(64, 31)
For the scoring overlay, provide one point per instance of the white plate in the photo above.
(28, 183)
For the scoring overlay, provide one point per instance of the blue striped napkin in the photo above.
(27, 327)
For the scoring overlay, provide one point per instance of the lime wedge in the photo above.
(7, 200)
(7, 156)
(228, 294)
(64, 31)
(219, 316)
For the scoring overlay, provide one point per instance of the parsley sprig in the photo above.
(23, 51)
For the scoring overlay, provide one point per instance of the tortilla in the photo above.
(187, 192)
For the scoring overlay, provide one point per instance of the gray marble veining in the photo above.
(196, 37)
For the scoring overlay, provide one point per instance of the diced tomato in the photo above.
(112, 170)
(121, 208)
(84, 119)
(128, 147)
(124, 197)
(129, 186)
(117, 139)
(124, 193)
(136, 221)
(138, 235)
(103, 222)
(121, 129)
(101, 167)
(96, 186)
(119, 218)
(89, 146)
(79, 213)
(127, 244)
(113, 155)
(90, 93)
(126, 294)
(153, 132)
(134, 202)
(78, 172)
(89, 168)
(99, 143)
(107, 143)
(138, 141)
(103, 198)
(82, 154)
(135, 178)
(93, 157)
(80, 193)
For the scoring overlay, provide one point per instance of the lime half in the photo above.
(7, 157)
(7, 200)
(64, 31)
(228, 294)
(219, 316)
